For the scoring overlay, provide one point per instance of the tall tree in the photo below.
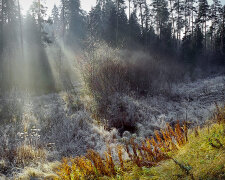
(161, 15)
(21, 29)
(56, 19)
(39, 12)
(135, 30)
(223, 31)
(179, 7)
(203, 18)
(74, 20)
(172, 19)
(214, 18)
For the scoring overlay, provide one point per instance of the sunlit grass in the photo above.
(199, 154)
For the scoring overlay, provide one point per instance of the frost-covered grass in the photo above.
(198, 154)
(48, 127)
(60, 124)
(44, 129)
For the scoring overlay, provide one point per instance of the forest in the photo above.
(130, 89)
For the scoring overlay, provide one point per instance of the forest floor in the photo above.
(61, 125)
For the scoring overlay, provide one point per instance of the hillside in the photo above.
(59, 123)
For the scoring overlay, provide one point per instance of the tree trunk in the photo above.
(2, 46)
(171, 11)
(146, 25)
(129, 8)
(117, 23)
(1, 28)
(178, 22)
(185, 18)
(205, 33)
(222, 33)
(63, 20)
(21, 30)
(39, 17)
(192, 17)
(142, 20)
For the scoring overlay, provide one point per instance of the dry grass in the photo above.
(153, 150)
(147, 153)
(27, 154)
(202, 157)
(41, 171)
(219, 115)
(172, 153)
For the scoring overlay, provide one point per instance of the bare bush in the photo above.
(107, 72)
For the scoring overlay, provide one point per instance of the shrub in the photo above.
(109, 74)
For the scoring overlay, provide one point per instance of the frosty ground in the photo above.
(62, 125)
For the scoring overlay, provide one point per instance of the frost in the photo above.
(49, 121)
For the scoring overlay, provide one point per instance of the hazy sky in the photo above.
(85, 4)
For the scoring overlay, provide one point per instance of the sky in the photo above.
(85, 4)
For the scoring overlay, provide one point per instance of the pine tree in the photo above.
(135, 30)
(214, 18)
(161, 15)
(55, 15)
(171, 17)
(203, 18)
(39, 13)
(73, 21)
(179, 7)
(55, 18)
(95, 24)
(222, 34)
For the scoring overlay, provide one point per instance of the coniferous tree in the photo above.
(95, 24)
(203, 18)
(161, 15)
(179, 7)
(56, 20)
(135, 30)
(171, 17)
(73, 22)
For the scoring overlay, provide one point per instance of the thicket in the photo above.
(109, 74)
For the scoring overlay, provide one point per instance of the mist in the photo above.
(90, 94)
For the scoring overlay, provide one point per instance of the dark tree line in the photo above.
(185, 29)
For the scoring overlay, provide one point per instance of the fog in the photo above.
(80, 75)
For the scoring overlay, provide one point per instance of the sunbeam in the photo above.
(112, 89)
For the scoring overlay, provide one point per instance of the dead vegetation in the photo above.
(171, 149)
(143, 154)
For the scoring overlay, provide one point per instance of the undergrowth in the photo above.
(108, 72)
(173, 153)
(142, 154)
